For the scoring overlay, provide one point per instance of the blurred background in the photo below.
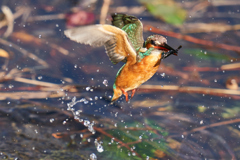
(55, 94)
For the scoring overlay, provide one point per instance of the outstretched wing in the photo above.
(115, 40)
(132, 26)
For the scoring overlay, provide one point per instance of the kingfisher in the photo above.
(123, 41)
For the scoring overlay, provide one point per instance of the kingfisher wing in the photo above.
(115, 40)
(132, 26)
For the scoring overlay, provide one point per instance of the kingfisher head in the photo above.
(160, 43)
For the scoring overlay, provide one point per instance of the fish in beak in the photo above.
(168, 50)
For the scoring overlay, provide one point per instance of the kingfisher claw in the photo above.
(125, 94)
(133, 92)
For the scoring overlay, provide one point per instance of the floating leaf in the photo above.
(201, 109)
(231, 112)
(168, 11)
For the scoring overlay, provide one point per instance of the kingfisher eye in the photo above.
(152, 42)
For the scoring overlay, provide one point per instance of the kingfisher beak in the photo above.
(168, 50)
(164, 47)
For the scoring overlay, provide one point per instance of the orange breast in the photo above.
(132, 76)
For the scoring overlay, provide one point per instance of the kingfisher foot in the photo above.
(125, 94)
(133, 92)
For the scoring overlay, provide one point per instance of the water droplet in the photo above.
(10, 86)
(40, 77)
(93, 156)
(140, 137)
(40, 36)
(87, 88)
(163, 74)
(51, 120)
(86, 123)
(72, 136)
(90, 128)
(75, 66)
(201, 122)
(112, 140)
(215, 80)
(98, 146)
(85, 102)
(81, 135)
(105, 82)
(74, 99)
(78, 112)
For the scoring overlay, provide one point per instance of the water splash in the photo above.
(76, 114)
(93, 156)
(88, 124)
(98, 146)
